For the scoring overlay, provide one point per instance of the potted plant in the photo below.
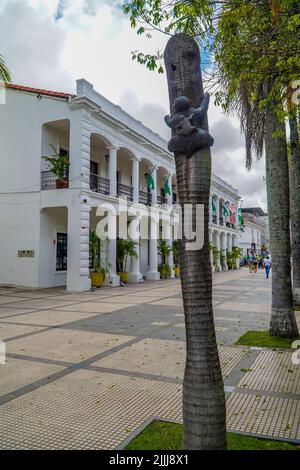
(59, 167)
(98, 271)
(164, 250)
(175, 250)
(125, 248)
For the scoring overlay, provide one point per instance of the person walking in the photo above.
(254, 263)
(267, 266)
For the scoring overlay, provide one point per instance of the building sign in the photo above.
(26, 254)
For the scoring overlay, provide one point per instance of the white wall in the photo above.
(19, 230)
(52, 221)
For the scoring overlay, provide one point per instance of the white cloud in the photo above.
(51, 43)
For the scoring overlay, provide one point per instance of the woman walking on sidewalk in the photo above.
(267, 266)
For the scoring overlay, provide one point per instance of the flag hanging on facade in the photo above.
(241, 220)
(225, 210)
(214, 205)
(150, 181)
(167, 189)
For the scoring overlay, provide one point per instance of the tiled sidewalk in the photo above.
(85, 370)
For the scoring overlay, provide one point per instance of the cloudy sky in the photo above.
(51, 43)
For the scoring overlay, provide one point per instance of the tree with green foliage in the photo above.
(256, 63)
(255, 47)
(204, 414)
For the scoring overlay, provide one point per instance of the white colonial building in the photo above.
(44, 236)
(223, 221)
(255, 237)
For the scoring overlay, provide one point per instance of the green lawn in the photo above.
(296, 308)
(263, 339)
(160, 435)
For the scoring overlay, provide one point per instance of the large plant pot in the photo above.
(61, 184)
(165, 271)
(123, 277)
(97, 279)
(177, 270)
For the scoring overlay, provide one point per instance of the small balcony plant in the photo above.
(98, 271)
(125, 248)
(164, 250)
(59, 167)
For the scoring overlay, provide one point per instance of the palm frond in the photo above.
(4, 72)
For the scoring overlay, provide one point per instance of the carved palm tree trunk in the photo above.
(295, 205)
(283, 321)
(204, 416)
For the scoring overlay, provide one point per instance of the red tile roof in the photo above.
(38, 91)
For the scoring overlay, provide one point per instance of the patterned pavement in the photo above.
(84, 371)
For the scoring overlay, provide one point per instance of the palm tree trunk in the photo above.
(295, 205)
(283, 321)
(204, 415)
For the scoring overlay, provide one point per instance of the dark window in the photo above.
(61, 252)
(118, 176)
(94, 168)
(162, 192)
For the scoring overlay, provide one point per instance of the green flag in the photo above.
(225, 210)
(167, 189)
(150, 182)
(241, 220)
(214, 205)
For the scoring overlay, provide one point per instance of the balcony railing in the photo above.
(221, 220)
(214, 219)
(124, 190)
(145, 198)
(49, 181)
(99, 184)
(161, 200)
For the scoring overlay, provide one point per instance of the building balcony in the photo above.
(221, 221)
(161, 200)
(214, 219)
(99, 184)
(124, 190)
(145, 198)
(50, 181)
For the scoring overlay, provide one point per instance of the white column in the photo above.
(218, 247)
(223, 244)
(211, 253)
(210, 209)
(135, 179)
(218, 209)
(112, 170)
(78, 276)
(80, 135)
(135, 274)
(229, 242)
(154, 191)
(170, 196)
(153, 274)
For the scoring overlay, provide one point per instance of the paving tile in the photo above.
(96, 307)
(264, 415)
(8, 331)
(273, 371)
(17, 373)
(66, 345)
